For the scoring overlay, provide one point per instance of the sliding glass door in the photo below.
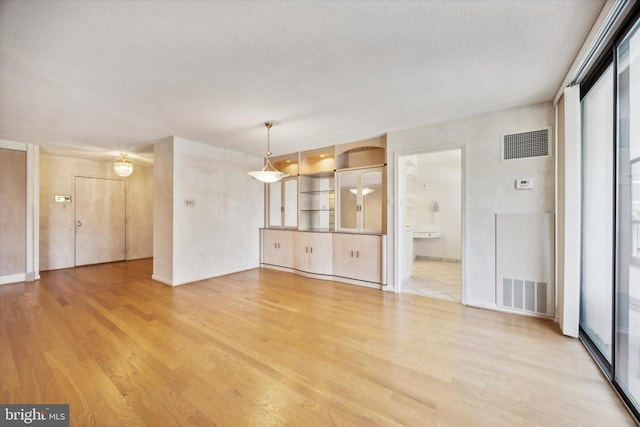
(627, 336)
(596, 301)
(610, 257)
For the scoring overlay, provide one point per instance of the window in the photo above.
(627, 337)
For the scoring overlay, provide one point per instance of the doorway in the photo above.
(100, 220)
(430, 195)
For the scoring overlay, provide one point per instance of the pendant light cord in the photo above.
(268, 125)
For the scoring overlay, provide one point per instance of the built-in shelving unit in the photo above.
(341, 215)
(317, 203)
(320, 161)
(361, 154)
(317, 190)
(287, 163)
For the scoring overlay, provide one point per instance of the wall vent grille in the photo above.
(526, 295)
(526, 145)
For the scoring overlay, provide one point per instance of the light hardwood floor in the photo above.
(269, 348)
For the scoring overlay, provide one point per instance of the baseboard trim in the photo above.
(436, 258)
(494, 307)
(162, 280)
(13, 278)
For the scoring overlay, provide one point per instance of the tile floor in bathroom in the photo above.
(435, 279)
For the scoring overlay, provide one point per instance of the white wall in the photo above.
(163, 211)
(57, 220)
(489, 186)
(219, 234)
(568, 222)
(439, 179)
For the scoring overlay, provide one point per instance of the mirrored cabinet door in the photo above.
(372, 201)
(349, 187)
(360, 200)
(283, 203)
(275, 204)
(290, 202)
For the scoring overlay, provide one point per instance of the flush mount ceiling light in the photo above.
(123, 167)
(268, 172)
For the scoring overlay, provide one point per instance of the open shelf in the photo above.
(317, 203)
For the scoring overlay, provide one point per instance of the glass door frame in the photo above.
(609, 58)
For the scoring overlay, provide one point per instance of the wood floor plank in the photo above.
(262, 347)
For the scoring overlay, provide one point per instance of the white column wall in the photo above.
(568, 224)
(218, 234)
(163, 211)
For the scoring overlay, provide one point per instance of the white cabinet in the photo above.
(360, 200)
(313, 252)
(277, 247)
(328, 219)
(359, 257)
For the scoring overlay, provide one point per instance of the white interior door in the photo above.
(100, 220)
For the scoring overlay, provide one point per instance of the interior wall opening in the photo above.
(430, 237)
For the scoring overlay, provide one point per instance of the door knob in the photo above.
(78, 223)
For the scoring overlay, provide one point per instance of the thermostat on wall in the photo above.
(524, 183)
(62, 199)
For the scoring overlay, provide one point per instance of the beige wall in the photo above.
(13, 207)
(57, 238)
(218, 234)
(163, 211)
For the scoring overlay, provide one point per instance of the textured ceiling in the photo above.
(101, 77)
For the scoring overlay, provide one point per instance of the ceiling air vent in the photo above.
(525, 145)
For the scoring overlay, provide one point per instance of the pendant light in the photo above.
(123, 167)
(268, 173)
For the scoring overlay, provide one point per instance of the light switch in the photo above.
(189, 203)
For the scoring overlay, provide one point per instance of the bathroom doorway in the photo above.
(430, 192)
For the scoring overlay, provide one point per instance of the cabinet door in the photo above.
(371, 210)
(360, 200)
(301, 252)
(320, 253)
(277, 247)
(348, 200)
(283, 203)
(290, 202)
(358, 256)
(313, 252)
(368, 258)
(343, 260)
(275, 204)
(285, 248)
(269, 247)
